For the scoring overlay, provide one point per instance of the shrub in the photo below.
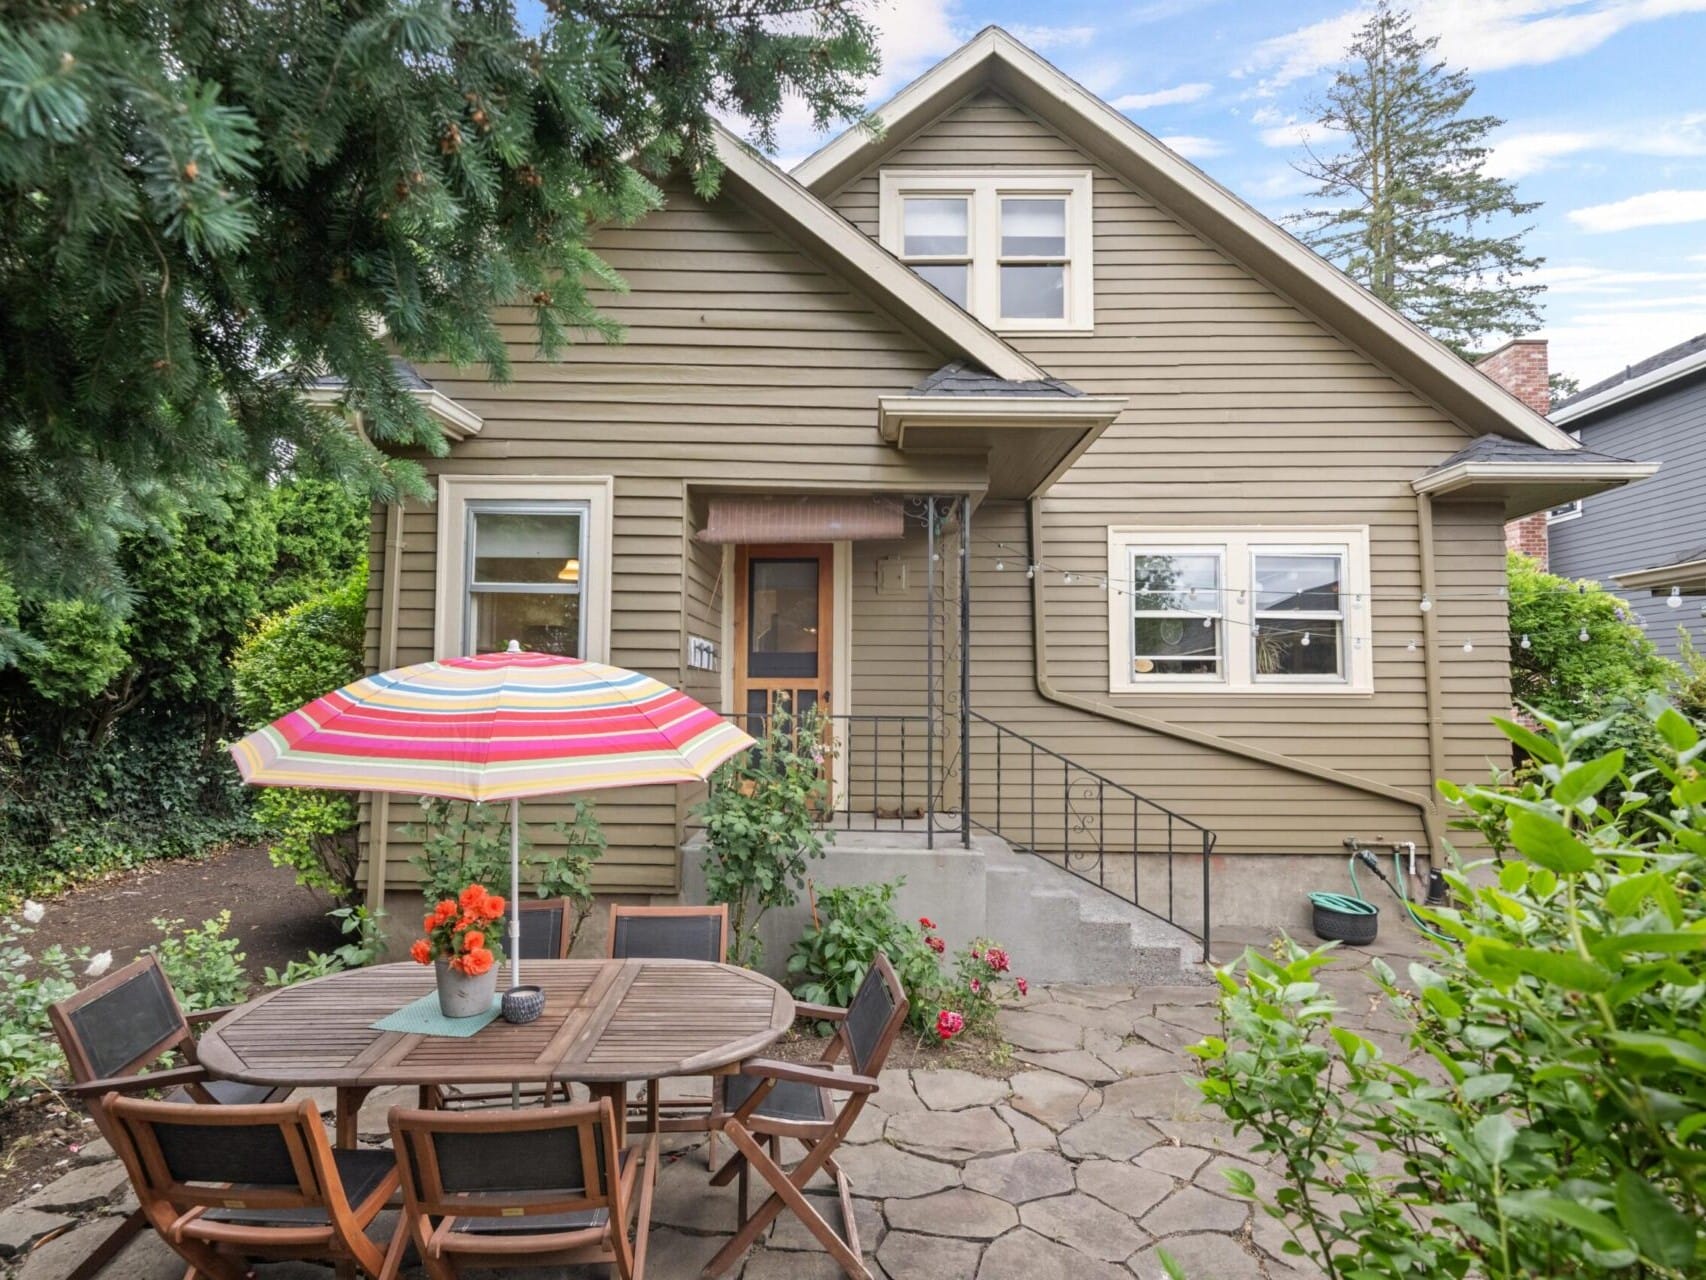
(367, 944)
(1606, 677)
(29, 1051)
(203, 964)
(854, 923)
(464, 843)
(981, 973)
(1691, 685)
(291, 658)
(761, 825)
(1561, 1126)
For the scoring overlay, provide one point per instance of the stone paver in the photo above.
(1085, 1225)
(1021, 1177)
(1091, 1155)
(962, 1213)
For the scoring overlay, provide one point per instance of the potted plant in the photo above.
(456, 945)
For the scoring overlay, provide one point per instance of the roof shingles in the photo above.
(958, 378)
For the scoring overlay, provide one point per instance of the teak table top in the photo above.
(605, 1021)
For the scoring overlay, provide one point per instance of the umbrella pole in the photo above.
(515, 893)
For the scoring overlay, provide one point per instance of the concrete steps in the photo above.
(1069, 930)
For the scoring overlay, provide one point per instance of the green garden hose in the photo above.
(1354, 904)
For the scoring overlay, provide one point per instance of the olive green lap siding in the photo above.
(1241, 410)
(744, 362)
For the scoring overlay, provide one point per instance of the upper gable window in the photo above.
(1010, 246)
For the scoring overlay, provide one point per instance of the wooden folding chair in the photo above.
(226, 1184)
(544, 936)
(110, 1031)
(670, 933)
(541, 1187)
(772, 1100)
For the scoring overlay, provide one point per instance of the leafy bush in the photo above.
(367, 944)
(761, 825)
(980, 972)
(853, 924)
(202, 963)
(29, 1051)
(1691, 685)
(1560, 1129)
(464, 843)
(1607, 676)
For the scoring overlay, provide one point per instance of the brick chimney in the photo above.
(1521, 367)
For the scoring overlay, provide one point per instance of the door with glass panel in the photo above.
(524, 577)
(782, 630)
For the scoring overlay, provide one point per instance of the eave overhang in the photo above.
(1028, 441)
(1688, 576)
(1527, 487)
(456, 420)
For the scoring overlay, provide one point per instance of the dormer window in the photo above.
(1010, 246)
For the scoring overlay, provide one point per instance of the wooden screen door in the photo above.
(782, 629)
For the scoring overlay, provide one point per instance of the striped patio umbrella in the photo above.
(497, 726)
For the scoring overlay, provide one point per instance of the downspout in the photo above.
(1432, 697)
(390, 590)
(1166, 728)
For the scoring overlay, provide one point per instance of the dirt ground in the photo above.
(276, 920)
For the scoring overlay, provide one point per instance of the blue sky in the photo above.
(1604, 103)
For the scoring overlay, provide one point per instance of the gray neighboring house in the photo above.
(1651, 539)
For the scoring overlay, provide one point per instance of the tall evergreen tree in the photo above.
(204, 201)
(1411, 212)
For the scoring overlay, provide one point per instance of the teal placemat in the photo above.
(423, 1018)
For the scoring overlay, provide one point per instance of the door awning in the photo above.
(749, 520)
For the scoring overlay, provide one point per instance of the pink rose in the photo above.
(936, 945)
(996, 959)
(1024, 987)
(976, 987)
(949, 1024)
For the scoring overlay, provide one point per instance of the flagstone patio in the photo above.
(1092, 1154)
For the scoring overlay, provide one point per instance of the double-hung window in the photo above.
(1243, 610)
(523, 582)
(1013, 247)
(524, 559)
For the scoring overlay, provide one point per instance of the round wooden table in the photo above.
(606, 1022)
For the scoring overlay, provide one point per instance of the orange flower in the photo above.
(471, 896)
(492, 908)
(429, 923)
(473, 940)
(474, 963)
(444, 910)
(421, 951)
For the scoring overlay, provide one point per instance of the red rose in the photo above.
(1024, 987)
(996, 959)
(976, 987)
(936, 945)
(949, 1024)
(925, 922)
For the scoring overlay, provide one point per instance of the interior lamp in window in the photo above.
(570, 572)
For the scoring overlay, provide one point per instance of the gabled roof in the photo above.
(817, 228)
(957, 378)
(1492, 448)
(1644, 375)
(996, 60)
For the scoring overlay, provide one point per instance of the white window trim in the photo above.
(984, 189)
(1239, 546)
(454, 495)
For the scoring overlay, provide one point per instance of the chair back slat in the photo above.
(256, 1155)
(125, 1022)
(669, 933)
(542, 930)
(874, 1017)
(510, 1164)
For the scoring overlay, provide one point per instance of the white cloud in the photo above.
(1193, 147)
(1651, 209)
(1596, 343)
(1178, 94)
(1611, 282)
(1280, 184)
(1040, 38)
(1517, 155)
(1480, 35)
(1298, 133)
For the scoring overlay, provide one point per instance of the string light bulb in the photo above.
(1674, 600)
(1069, 579)
(1526, 642)
(1411, 647)
(1208, 622)
(1582, 635)
(1305, 639)
(1000, 566)
(1030, 571)
(1426, 604)
(1469, 646)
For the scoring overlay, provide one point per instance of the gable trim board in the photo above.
(996, 59)
(1689, 575)
(1069, 425)
(1651, 381)
(815, 227)
(1528, 487)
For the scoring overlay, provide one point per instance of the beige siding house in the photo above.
(1011, 403)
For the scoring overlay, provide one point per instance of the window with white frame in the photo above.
(526, 560)
(1246, 610)
(1011, 246)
